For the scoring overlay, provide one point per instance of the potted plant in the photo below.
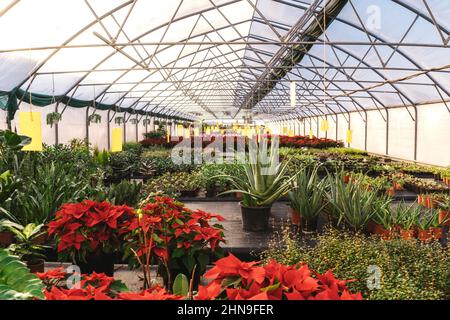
(435, 225)
(89, 233)
(119, 120)
(94, 118)
(353, 204)
(307, 198)
(53, 118)
(407, 217)
(261, 184)
(26, 246)
(424, 232)
(180, 240)
(444, 214)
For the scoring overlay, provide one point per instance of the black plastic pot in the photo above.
(255, 218)
(309, 225)
(99, 263)
(36, 266)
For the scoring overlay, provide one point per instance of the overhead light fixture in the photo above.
(293, 94)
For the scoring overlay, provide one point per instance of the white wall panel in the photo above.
(376, 132)
(434, 135)
(401, 133)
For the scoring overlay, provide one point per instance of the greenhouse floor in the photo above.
(244, 244)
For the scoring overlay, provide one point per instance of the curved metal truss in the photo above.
(208, 59)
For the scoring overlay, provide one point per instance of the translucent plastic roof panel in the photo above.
(227, 58)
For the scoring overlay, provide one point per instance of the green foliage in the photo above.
(181, 285)
(52, 185)
(264, 179)
(353, 204)
(124, 193)
(16, 281)
(409, 270)
(133, 147)
(308, 194)
(173, 184)
(25, 246)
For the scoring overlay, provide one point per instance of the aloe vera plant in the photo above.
(407, 216)
(353, 203)
(308, 194)
(264, 179)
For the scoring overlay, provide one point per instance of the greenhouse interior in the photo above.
(224, 150)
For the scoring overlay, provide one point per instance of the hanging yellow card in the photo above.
(311, 135)
(30, 125)
(196, 132)
(284, 131)
(116, 139)
(324, 125)
(208, 131)
(291, 133)
(349, 136)
(179, 130)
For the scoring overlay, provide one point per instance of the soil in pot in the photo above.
(36, 265)
(99, 263)
(407, 234)
(6, 238)
(255, 218)
(424, 235)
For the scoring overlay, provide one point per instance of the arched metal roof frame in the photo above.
(435, 83)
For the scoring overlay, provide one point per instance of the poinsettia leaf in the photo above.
(118, 286)
(181, 285)
(271, 288)
(178, 252)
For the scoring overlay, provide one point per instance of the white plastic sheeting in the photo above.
(135, 53)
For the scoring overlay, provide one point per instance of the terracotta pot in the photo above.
(437, 233)
(346, 179)
(238, 195)
(407, 234)
(424, 235)
(36, 266)
(444, 217)
(391, 192)
(419, 199)
(382, 232)
(295, 218)
(397, 186)
(6, 238)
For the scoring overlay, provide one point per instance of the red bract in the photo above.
(175, 235)
(88, 227)
(233, 279)
(156, 293)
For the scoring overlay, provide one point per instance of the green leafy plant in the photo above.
(25, 247)
(307, 196)
(408, 270)
(16, 281)
(53, 118)
(264, 179)
(352, 203)
(95, 118)
(125, 193)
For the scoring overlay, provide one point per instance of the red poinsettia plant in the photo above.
(89, 227)
(232, 279)
(179, 239)
(95, 287)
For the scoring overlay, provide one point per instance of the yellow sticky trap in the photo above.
(30, 125)
(349, 136)
(116, 139)
(208, 131)
(324, 126)
(284, 131)
(179, 130)
(196, 132)
(291, 133)
(311, 135)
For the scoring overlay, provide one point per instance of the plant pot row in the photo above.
(431, 234)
